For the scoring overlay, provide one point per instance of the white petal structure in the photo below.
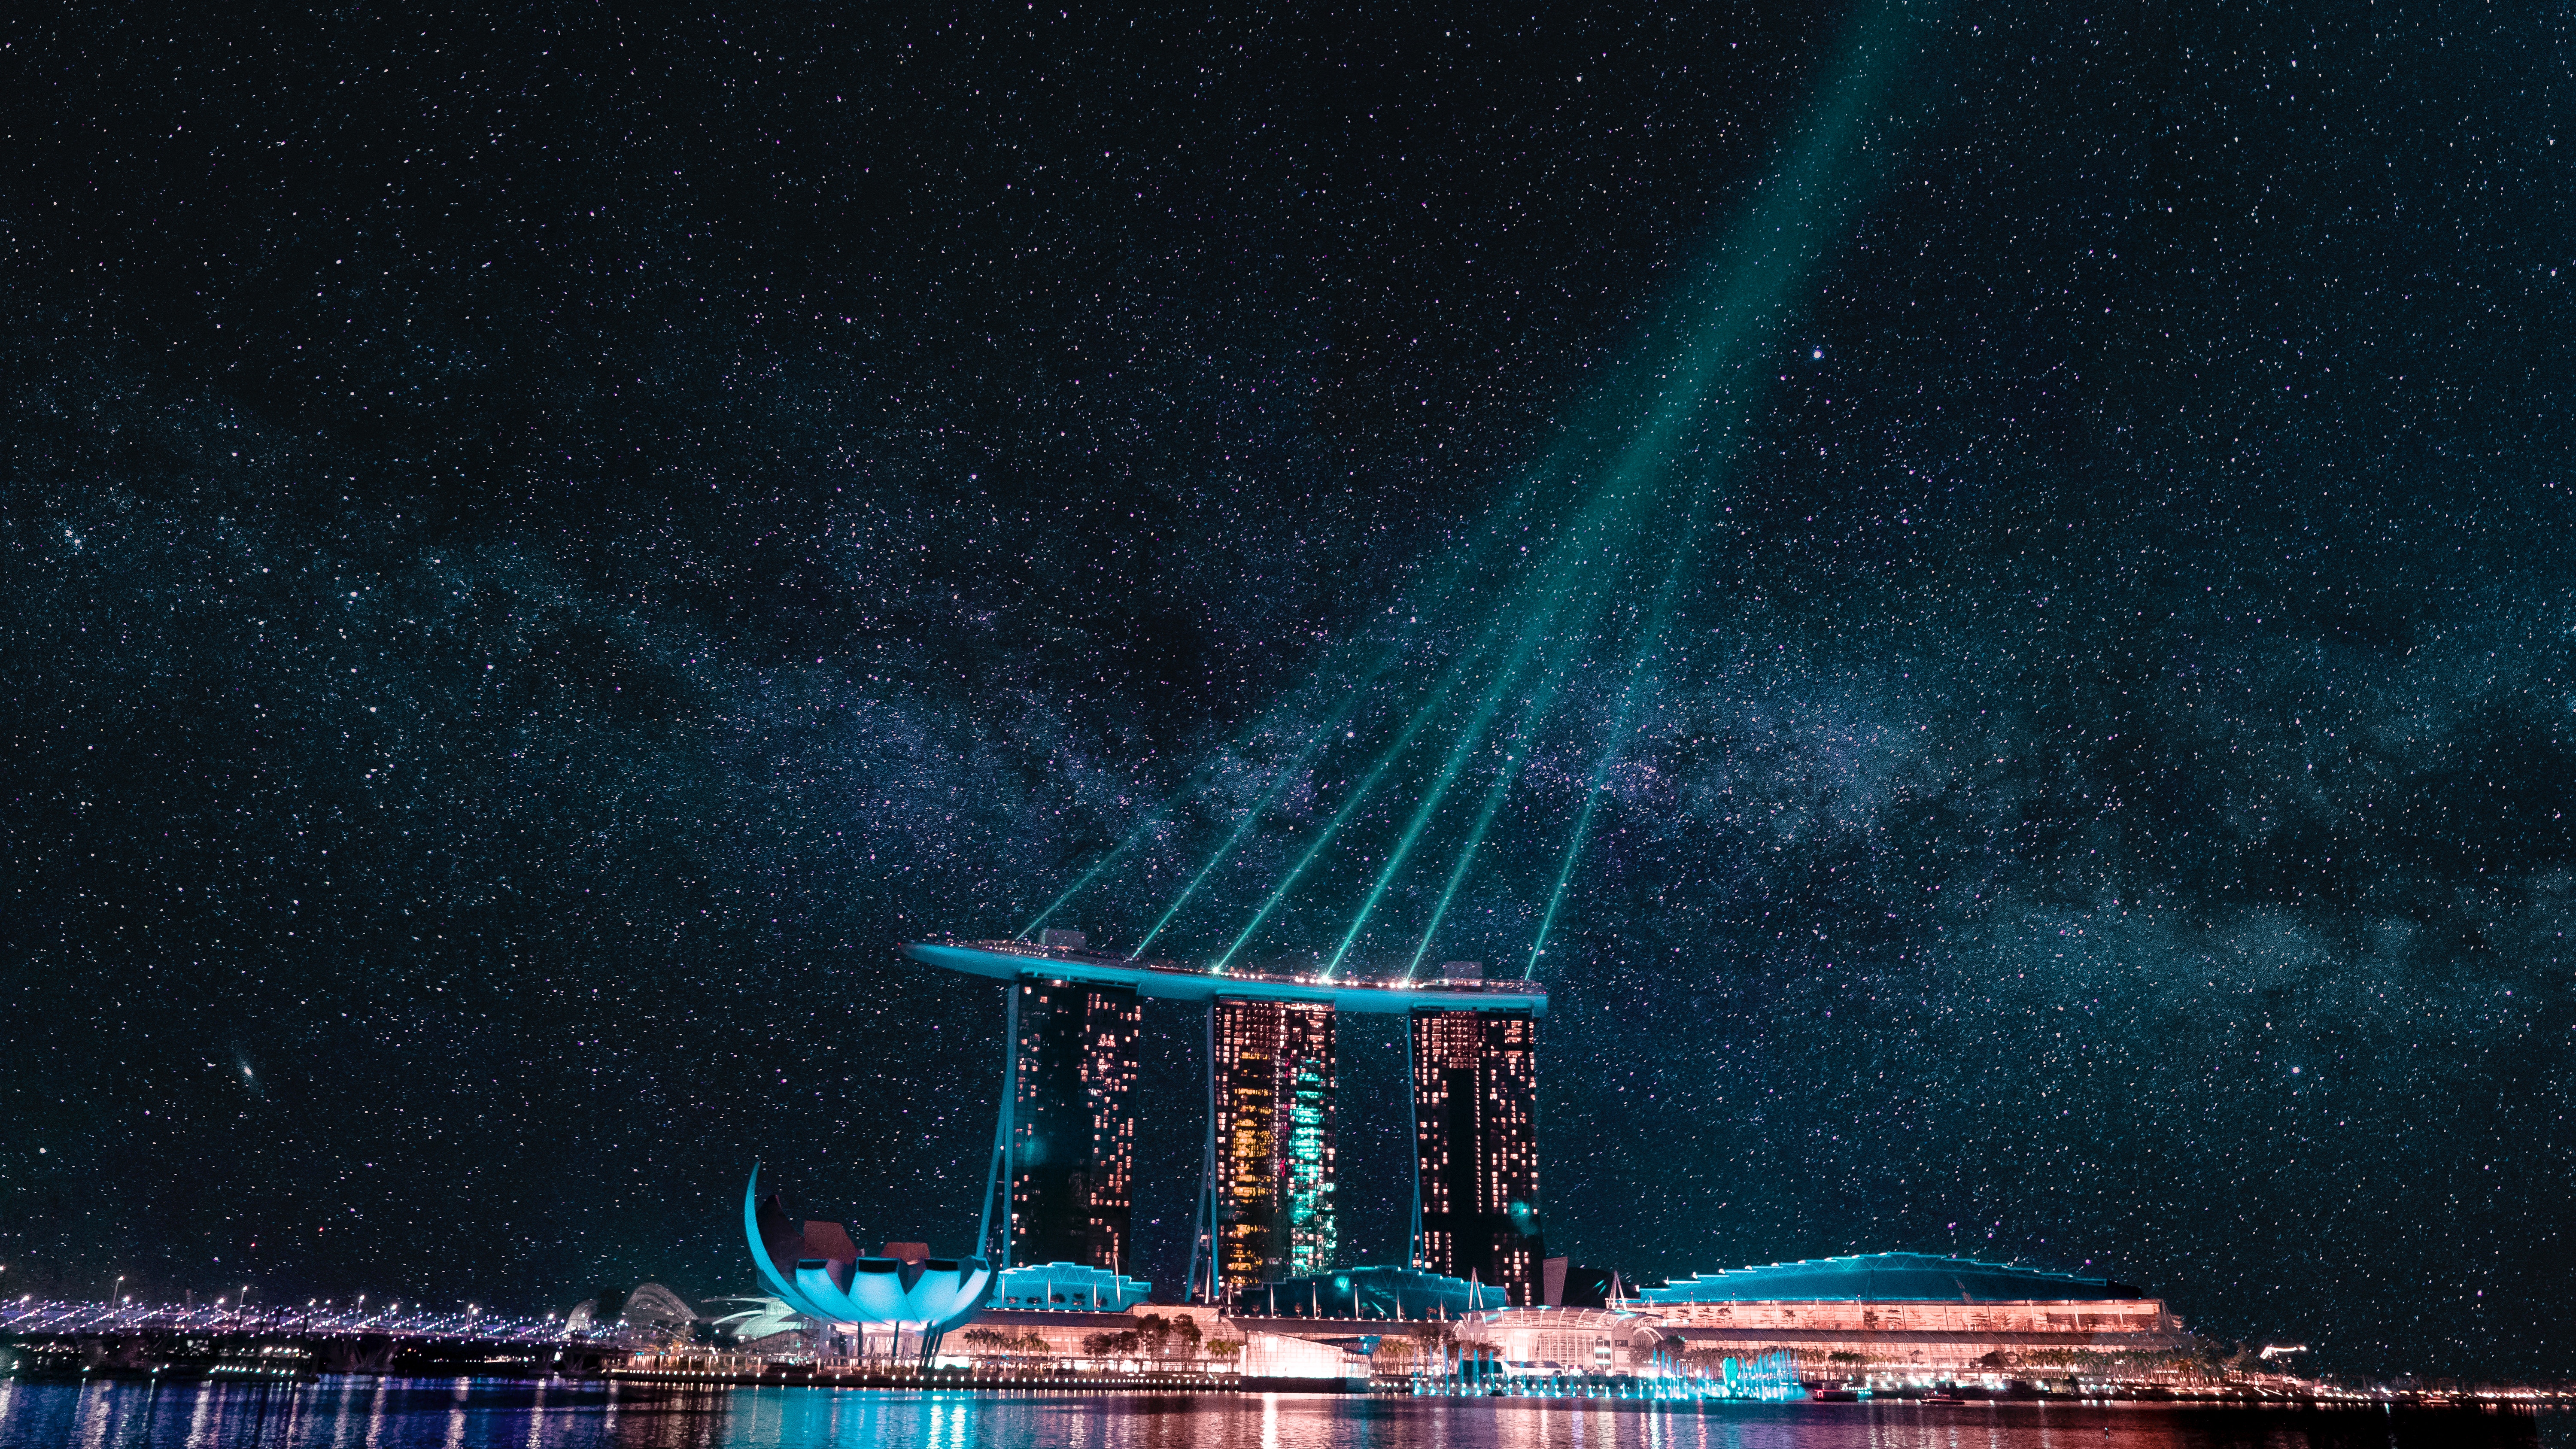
(815, 1271)
(763, 1317)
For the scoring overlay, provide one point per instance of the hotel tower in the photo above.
(1272, 1091)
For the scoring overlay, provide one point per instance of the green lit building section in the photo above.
(1273, 1080)
(1307, 1166)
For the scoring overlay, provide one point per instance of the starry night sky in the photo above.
(540, 546)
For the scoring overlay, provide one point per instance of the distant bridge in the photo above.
(40, 1318)
(176, 1340)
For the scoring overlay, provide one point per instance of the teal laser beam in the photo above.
(1719, 328)
(1422, 716)
(1583, 818)
(1535, 632)
(1279, 783)
(1533, 715)
(1332, 828)
(1773, 247)
(1610, 516)
(1657, 622)
(1596, 531)
(1142, 832)
(1606, 523)
(1606, 527)
(1242, 827)
(1134, 838)
(1494, 528)
(1422, 812)
(1514, 755)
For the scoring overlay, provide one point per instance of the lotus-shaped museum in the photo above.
(816, 1270)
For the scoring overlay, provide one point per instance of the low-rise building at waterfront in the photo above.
(1905, 1316)
(1073, 1287)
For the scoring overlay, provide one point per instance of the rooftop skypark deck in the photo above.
(1169, 981)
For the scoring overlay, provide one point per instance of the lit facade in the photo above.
(1273, 1083)
(2072, 1318)
(1475, 1109)
(1900, 1317)
(1883, 1278)
(1073, 1124)
(1551, 1341)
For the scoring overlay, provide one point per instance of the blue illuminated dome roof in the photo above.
(1074, 1287)
(1885, 1278)
(1380, 1290)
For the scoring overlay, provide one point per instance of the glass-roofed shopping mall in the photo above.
(1885, 1278)
(1901, 1315)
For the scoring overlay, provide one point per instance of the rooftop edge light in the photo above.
(1885, 1278)
(1165, 981)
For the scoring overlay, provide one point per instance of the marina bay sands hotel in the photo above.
(1064, 1148)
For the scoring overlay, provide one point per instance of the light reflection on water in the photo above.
(368, 1413)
